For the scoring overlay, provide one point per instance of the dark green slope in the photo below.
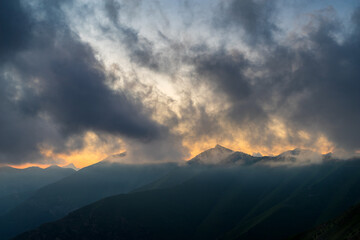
(84, 187)
(235, 203)
(315, 200)
(346, 226)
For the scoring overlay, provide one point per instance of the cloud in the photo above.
(54, 86)
(73, 90)
(226, 70)
(327, 72)
(15, 28)
(307, 83)
(254, 17)
(237, 78)
(112, 7)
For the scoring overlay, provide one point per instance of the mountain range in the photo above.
(14, 180)
(253, 202)
(85, 186)
(219, 194)
(16, 185)
(220, 155)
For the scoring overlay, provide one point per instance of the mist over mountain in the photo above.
(220, 155)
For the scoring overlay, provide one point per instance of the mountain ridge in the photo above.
(83, 187)
(243, 202)
(220, 155)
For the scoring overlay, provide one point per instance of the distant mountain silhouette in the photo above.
(81, 188)
(13, 180)
(16, 185)
(240, 202)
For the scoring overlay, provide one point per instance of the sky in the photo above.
(164, 80)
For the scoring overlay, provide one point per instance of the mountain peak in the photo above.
(72, 166)
(212, 155)
(54, 166)
(219, 147)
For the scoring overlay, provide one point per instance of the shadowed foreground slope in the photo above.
(88, 185)
(346, 226)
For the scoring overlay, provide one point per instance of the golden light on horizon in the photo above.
(239, 142)
(27, 165)
(95, 150)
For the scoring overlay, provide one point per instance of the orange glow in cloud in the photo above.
(322, 146)
(238, 145)
(96, 149)
(81, 158)
(240, 142)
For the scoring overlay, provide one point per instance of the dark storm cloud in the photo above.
(53, 87)
(311, 82)
(19, 133)
(255, 17)
(14, 28)
(328, 73)
(226, 72)
(73, 90)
